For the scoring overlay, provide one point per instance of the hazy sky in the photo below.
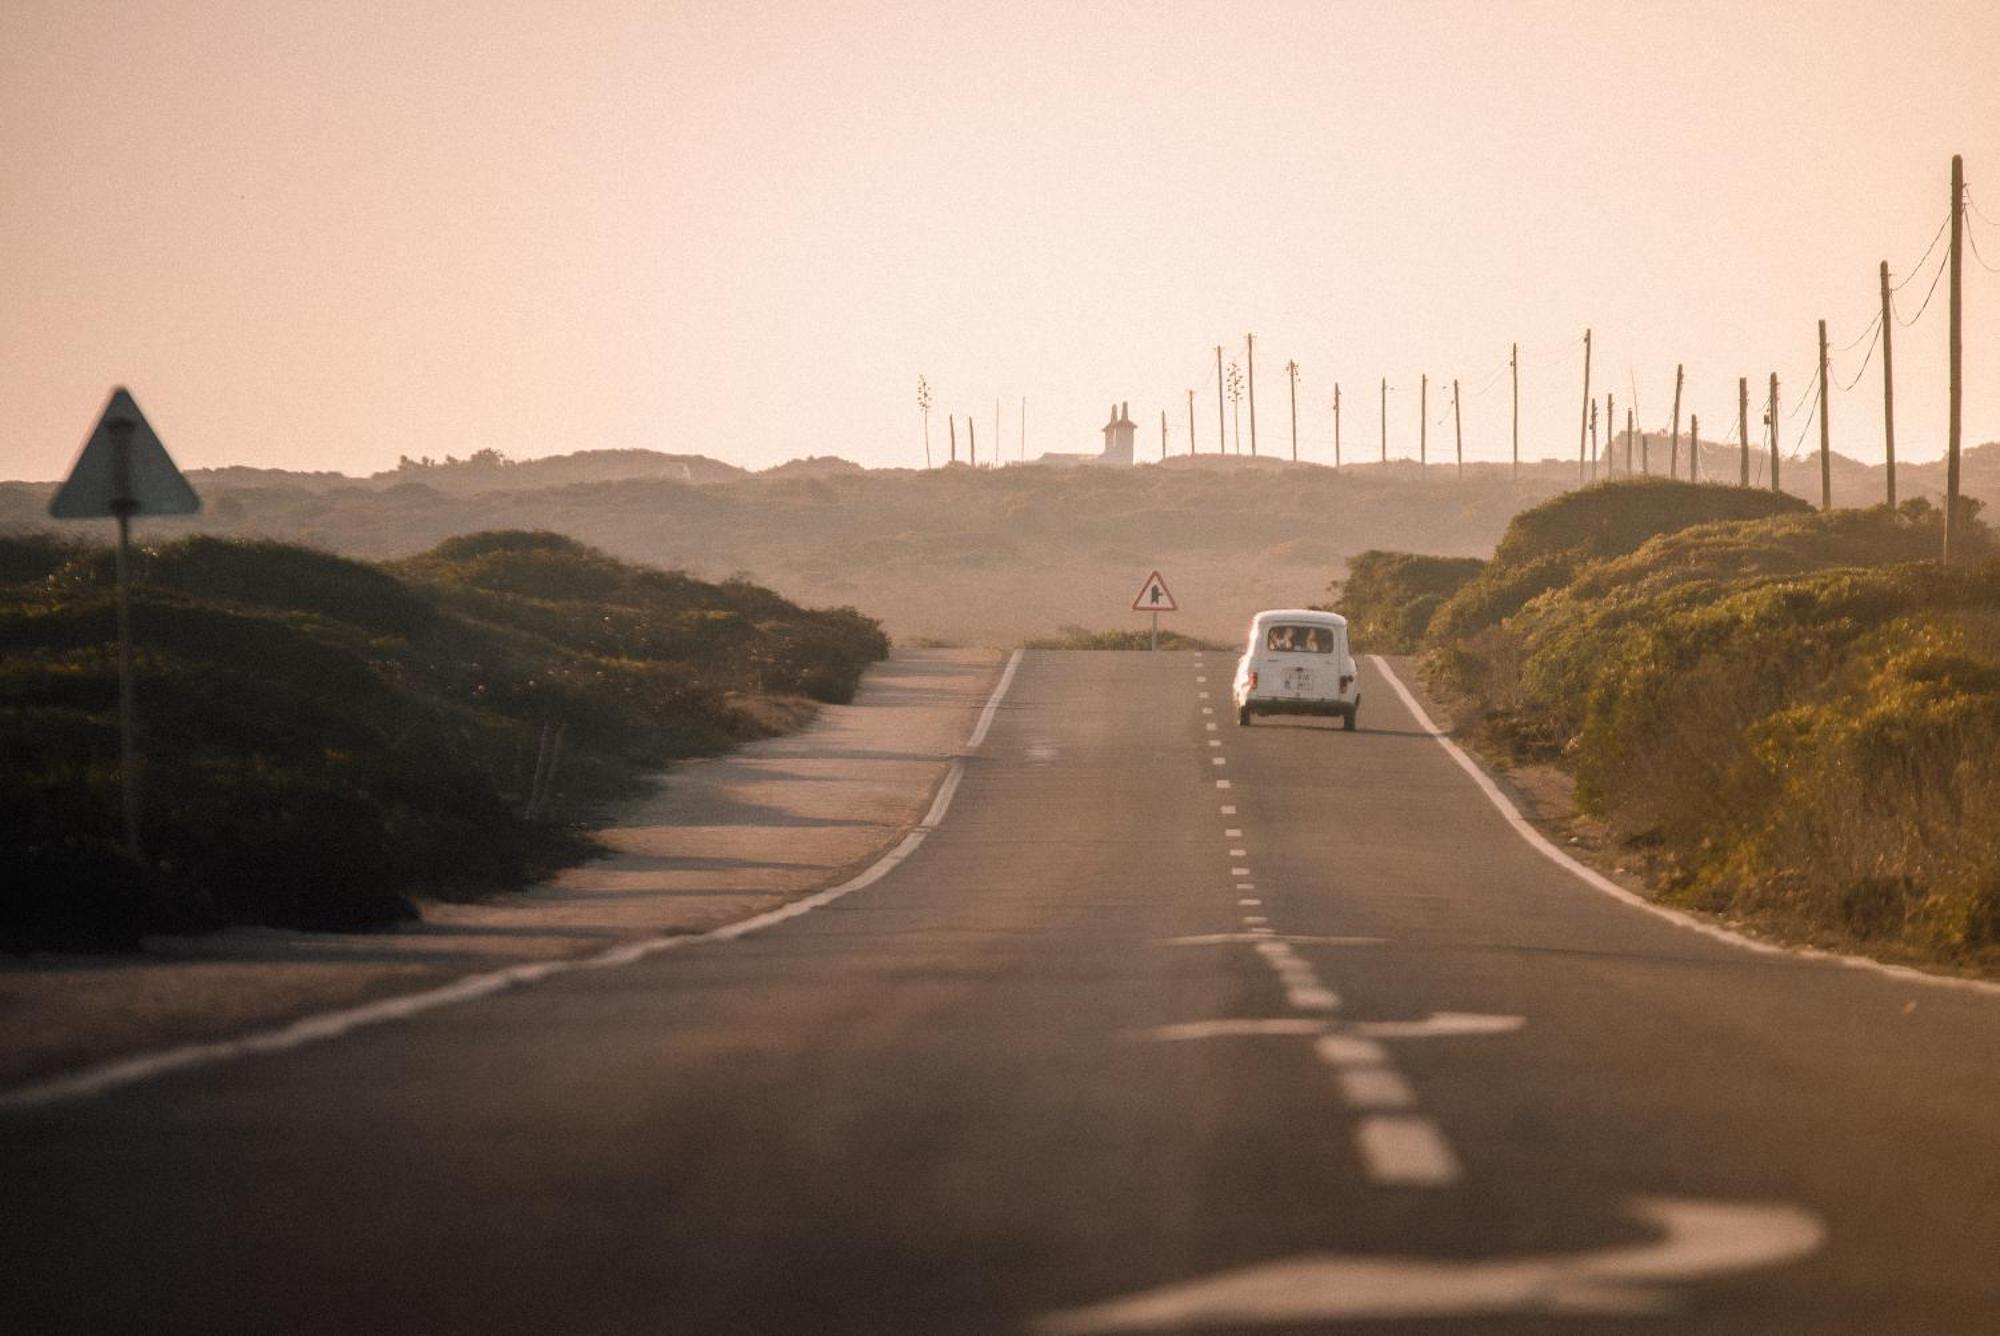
(321, 235)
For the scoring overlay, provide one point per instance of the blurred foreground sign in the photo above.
(123, 471)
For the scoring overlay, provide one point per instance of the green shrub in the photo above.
(325, 739)
(1389, 598)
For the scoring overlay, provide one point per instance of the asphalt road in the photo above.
(1116, 1049)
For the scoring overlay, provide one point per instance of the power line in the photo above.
(1973, 237)
(1976, 209)
(1805, 426)
(1942, 259)
(1868, 329)
(1918, 267)
(1866, 359)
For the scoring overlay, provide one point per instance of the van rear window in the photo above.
(1299, 639)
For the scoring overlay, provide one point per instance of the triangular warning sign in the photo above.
(1153, 596)
(123, 470)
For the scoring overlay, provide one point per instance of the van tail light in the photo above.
(1253, 679)
(1345, 683)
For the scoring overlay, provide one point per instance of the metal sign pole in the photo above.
(1156, 631)
(128, 747)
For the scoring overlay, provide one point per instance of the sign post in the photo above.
(1154, 597)
(124, 471)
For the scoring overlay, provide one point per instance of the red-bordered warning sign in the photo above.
(1154, 596)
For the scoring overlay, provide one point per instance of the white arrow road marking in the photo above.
(1442, 1024)
(1699, 1240)
(1219, 938)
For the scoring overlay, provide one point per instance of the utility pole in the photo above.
(1694, 445)
(1628, 442)
(1457, 430)
(1583, 417)
(1424, 428)
(1825, 444)
(1674, 455)
(1221, 426)
(1385, 419)
(1336, 426)
(1610, 434)
(1771, 416)
(971, 441)
(1957, 359)
(1888, 387)
(1743, 429)
(952, 422)
(1250, 356)
(1191, 449)
(1514, 365)
(1292, 369)
(1593, 440)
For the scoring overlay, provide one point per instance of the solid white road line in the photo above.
(1599, 882)
(1405, 1150)
(111, 1076)
(1225, 1029)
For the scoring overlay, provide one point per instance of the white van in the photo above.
(1297, 663)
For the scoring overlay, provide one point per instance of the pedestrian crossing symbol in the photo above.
(1154, 596)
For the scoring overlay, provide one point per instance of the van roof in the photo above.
(1313, 615)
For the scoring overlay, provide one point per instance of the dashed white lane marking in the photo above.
(1249, 901)
(1405, 1150)
(1239, 853)
(1599, 882)
(1230, 832)
(1227, 810)
(1239, 872)
(1246, 885)
(1218, 760)
(1201, 679)
(1208, 709)
(1440, 1025)
(332, 1024)
(1214, 742)
(1313, 997)
(1227, 1029)
(1202, 694)
(1255, 918)
(1375, 1088)
(1222, 783)
(1345, 1050)
(1210, 727)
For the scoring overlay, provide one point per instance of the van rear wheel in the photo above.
(1243, 716)
(1347, 720)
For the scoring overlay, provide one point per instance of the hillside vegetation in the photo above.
(324, 739)
(1793, 720)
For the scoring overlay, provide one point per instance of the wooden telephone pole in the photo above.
(1514, 365)
(1457, 430)
(1888, 386)
(1191, 449)
(1221, 420)
(1610, 442)
(1163, 435)
(1743, 430)
(1593, 440)
(952, 422)
(1628, 442)
(1674, 455)
(1825, 443)
(1957, 358)
(1336, 426)
(1583, 420)
(1292, 370)
(1771, 416)
(1424, 428)
(1250, 356)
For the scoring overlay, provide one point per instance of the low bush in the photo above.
(1792, 719)
(325, 739)
(1389, 598)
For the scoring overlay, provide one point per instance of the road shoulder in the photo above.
(715, 842)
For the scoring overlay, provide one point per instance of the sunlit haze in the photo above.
(323, 236)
